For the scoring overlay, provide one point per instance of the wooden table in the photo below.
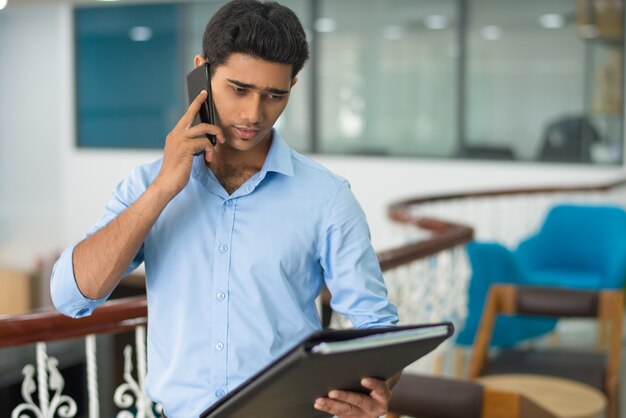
(562, 397)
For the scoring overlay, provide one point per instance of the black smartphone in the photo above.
(197, 80)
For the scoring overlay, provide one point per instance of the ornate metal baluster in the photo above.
(135, 389)
(92, 376)
(42, 378)
(48, 377)
(123, 399)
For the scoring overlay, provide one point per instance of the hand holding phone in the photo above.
(197, 80)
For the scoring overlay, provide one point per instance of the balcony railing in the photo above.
(505, 215)
(426, 279)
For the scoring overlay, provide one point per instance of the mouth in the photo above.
(246, 133)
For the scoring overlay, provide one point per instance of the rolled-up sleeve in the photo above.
(66, 295)
(351, 269)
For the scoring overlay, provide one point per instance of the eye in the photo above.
(240, 91)
(275, 97)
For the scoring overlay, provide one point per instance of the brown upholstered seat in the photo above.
(436, 397)
(425, 396)
(600, 370)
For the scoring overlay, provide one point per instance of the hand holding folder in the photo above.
(325, 361)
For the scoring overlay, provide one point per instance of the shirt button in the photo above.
(219, 393)
(223, 248)
(219, 346)
(220, 296)
(229, 203)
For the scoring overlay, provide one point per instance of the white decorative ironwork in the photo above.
(432, 289)
(92, 376)
(48, 378)
(131, 394)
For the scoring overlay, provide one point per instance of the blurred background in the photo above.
(405, 98)
(400, 96)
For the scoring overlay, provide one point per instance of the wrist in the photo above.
(161, 192)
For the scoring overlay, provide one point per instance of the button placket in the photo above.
(221, 272)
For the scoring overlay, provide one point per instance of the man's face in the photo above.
(249, 94)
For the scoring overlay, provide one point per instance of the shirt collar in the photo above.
(278, 158)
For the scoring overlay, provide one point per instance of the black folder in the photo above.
(327, 360)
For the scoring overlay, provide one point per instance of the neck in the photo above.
(233, 167)
(226, 156)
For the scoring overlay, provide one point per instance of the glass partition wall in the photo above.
(538, 80)
(387, 77)
(544, 80)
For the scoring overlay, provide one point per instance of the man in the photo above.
(238, 242)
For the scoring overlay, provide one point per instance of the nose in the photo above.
(252, 109)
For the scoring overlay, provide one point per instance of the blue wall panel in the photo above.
(129, 93)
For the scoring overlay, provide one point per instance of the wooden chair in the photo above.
(597, 369)
(436, 397)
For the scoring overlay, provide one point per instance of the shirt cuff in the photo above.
(66, 295)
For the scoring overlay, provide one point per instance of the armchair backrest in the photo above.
(583, 238)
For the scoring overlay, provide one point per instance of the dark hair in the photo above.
(267, 31)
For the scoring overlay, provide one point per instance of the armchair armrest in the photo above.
(493, 263)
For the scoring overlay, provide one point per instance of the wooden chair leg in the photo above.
(438, 364)
(459, 363)
(612, 405)
(500, 404)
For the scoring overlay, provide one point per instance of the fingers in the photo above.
(380, 389)
(359, 400)
(335, 407)
(193, 109)
(208, 152)
(181, 144)
(205, 128)
(199, 144)
(351, 404)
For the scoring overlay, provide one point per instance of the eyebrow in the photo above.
(253, 87)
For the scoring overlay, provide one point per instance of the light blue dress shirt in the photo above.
(232, 279)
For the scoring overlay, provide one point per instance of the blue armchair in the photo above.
(578, 246)
(582, 247)
(494, 263)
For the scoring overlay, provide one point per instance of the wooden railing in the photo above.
(42, 387)
(113, 316)
(426, 279)
(505, 215)
(444, 236)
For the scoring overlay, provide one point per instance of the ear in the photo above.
(198, 60)
(294, 81)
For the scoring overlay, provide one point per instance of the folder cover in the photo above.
(327, 360)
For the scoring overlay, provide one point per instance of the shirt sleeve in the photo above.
(66, 295)
(351, 269)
